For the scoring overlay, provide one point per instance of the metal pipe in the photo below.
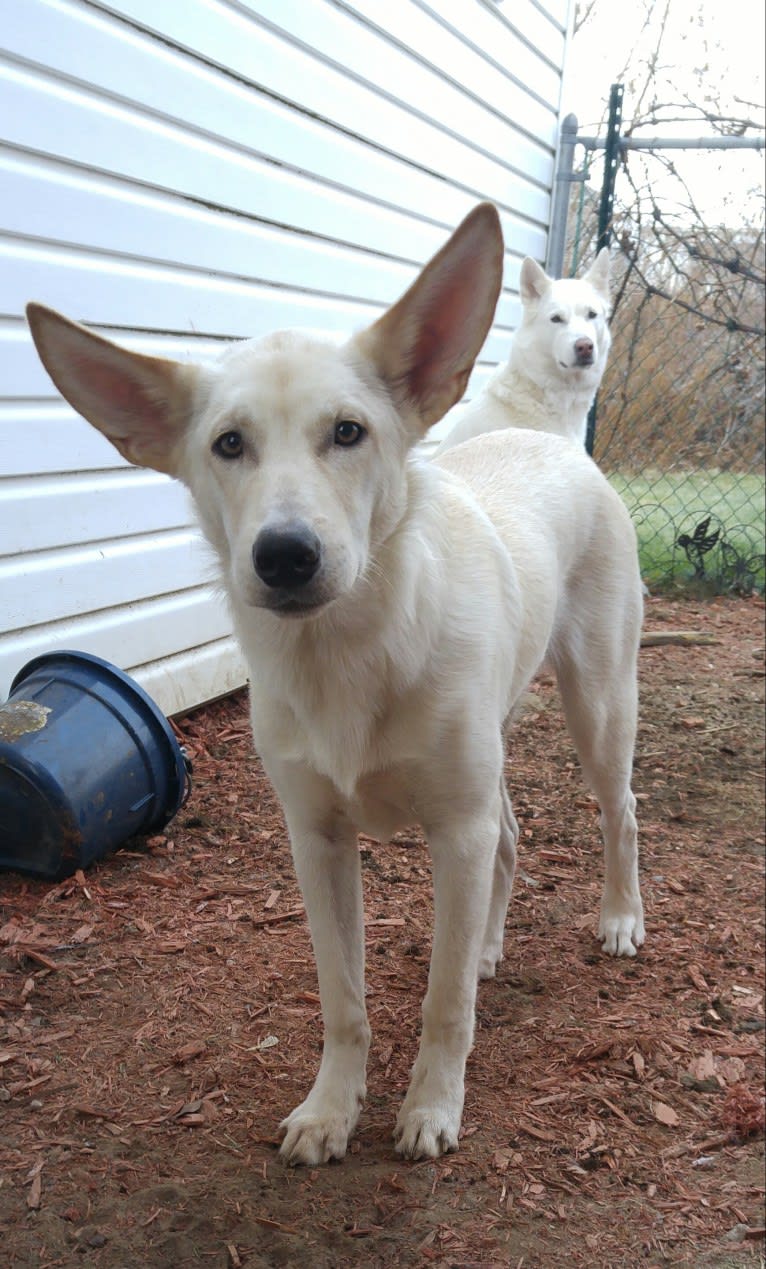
(561, 188)
(677, 143)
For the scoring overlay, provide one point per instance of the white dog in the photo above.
(556, 363)
(391, 612)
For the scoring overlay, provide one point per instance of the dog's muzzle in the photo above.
(287, 558)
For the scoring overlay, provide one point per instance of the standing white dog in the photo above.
(391, 612)
(556, 363)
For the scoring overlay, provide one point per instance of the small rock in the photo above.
(87, 1237)
(528, 881)
(708, 1085)
(737, 1234)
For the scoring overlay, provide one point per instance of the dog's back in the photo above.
(578, 540)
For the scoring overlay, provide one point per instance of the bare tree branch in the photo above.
(583, 11)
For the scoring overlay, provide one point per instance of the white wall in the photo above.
(181, 172)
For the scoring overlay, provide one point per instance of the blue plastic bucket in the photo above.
(87, 759)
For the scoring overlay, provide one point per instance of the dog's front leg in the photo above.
(463, 855)
(327, 862)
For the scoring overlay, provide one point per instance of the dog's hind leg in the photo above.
(502, 885)
(597, 680)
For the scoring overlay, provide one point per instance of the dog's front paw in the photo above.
(318, 1130)
(312, 1139)
(429, 1120)
(621, 927)
(427, 1133)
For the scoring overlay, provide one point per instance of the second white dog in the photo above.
(556, 363)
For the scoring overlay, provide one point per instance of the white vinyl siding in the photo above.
(177, 173)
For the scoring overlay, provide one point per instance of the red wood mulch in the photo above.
(159, 1015)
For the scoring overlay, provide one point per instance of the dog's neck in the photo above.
(560, 406)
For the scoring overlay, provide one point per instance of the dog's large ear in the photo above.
(139, 403)
(534, 282)
(424, 347)
(598, 273)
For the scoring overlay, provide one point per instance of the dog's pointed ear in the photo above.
(139, 403)
(424, 347)
(534, 282)
(598, 273)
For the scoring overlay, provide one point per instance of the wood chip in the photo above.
(93, 1112)
(82, 934)
(188, 1051)
(697, 977)
(274, 917)
(267, 1223)
(162, 879)
(665, 1114)
(540, 1134)
(35, 1193)
(676, 886)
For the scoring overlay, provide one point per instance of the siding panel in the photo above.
(42, 587)
(86, 49)
(64, 510)
(116, 633)
(185, 173)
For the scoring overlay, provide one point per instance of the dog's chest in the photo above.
(354, 736)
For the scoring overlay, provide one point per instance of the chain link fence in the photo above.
(680, 427)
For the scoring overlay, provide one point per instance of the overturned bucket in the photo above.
(87, 759)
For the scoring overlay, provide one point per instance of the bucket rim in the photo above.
(113, 672)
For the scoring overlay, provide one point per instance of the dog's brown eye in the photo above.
(348, 433)
(557, 317)
(229, 445)
(592, 315)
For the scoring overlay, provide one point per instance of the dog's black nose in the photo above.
(286, 557)
(584, 352)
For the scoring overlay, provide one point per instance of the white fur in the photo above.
(380, 687)
(541, 385)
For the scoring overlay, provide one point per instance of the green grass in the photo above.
(666, 506)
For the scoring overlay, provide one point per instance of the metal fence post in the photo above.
(561, 193)
(606, 206)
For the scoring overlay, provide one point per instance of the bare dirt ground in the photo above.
(159, 1015)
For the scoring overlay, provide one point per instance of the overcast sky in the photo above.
(712, 53)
